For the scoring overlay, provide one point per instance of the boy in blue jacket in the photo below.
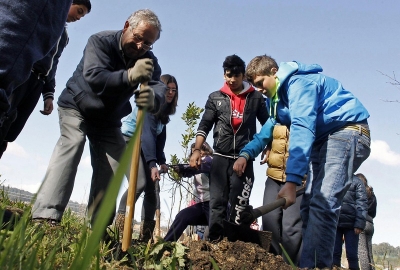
(329, 139)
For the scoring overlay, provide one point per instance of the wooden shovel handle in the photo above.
(158, 213)
(130, 204)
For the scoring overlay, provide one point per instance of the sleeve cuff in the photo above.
(294, 178)
(152, 164)
(244, 155)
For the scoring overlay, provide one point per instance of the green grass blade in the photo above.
(107, 206)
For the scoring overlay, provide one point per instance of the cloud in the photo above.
(16, 150)
(380, 151)
(86, 162)
(33, 188)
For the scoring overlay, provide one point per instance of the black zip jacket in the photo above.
(218, 113)
(99, 88)
(354, 208)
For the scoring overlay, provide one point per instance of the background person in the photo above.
(351, 223)
(329, 140)
(95, 100)
(154, 135)
(365, 254)
(199, 212)
(41, 81)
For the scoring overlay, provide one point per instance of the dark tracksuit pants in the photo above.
(226, 186)
(29, 29)
(23, 101)
(197, 214)
(285, 225)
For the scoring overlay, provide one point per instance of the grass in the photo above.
(74, 245)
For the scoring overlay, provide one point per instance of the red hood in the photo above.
(238, 102)
(247, 88)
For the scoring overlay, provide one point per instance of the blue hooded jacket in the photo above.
(312, 106)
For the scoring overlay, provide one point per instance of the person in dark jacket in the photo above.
(351, 223)
(28, 31)
(41, 81)
(154, 135)
(97, 96)
(232, 111)
(365, 255)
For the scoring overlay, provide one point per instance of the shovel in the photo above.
(158, 213)
(244, 233)
(130, 205)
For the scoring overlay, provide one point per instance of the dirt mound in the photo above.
(232, 255)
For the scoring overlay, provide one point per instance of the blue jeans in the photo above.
(351, 242)
(332, 164)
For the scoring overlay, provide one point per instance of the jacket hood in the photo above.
(247, 88)
(286, 69)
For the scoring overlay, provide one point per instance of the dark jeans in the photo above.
(351, 243)
(29, 29)
(226, 186)
(23, 101)
(144, 184)
(197, 214)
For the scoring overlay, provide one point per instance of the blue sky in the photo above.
(351, 40)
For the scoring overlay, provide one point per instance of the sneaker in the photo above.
(46, 221)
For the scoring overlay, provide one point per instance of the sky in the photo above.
(354, 42)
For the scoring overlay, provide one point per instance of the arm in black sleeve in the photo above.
(208, 118)
(159, 94)
(103, 69)
(262, 113)
(161, 138)
(148, 139)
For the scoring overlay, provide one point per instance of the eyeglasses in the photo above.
(171, 89)
(139, 40)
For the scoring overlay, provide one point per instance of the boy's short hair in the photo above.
(259, 66)
(234, 64)
(86, 3)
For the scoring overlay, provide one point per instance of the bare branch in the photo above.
(393, 80)
(386, 100)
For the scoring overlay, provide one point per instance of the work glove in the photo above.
(144, 97)
(141, 72)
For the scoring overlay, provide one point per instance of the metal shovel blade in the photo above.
(244, 233)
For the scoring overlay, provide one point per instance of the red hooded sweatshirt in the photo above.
(238, 102)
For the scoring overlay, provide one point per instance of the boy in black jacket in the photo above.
(232, 111)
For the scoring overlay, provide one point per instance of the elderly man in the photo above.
(97, 96)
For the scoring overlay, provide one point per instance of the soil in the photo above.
(232, 255)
